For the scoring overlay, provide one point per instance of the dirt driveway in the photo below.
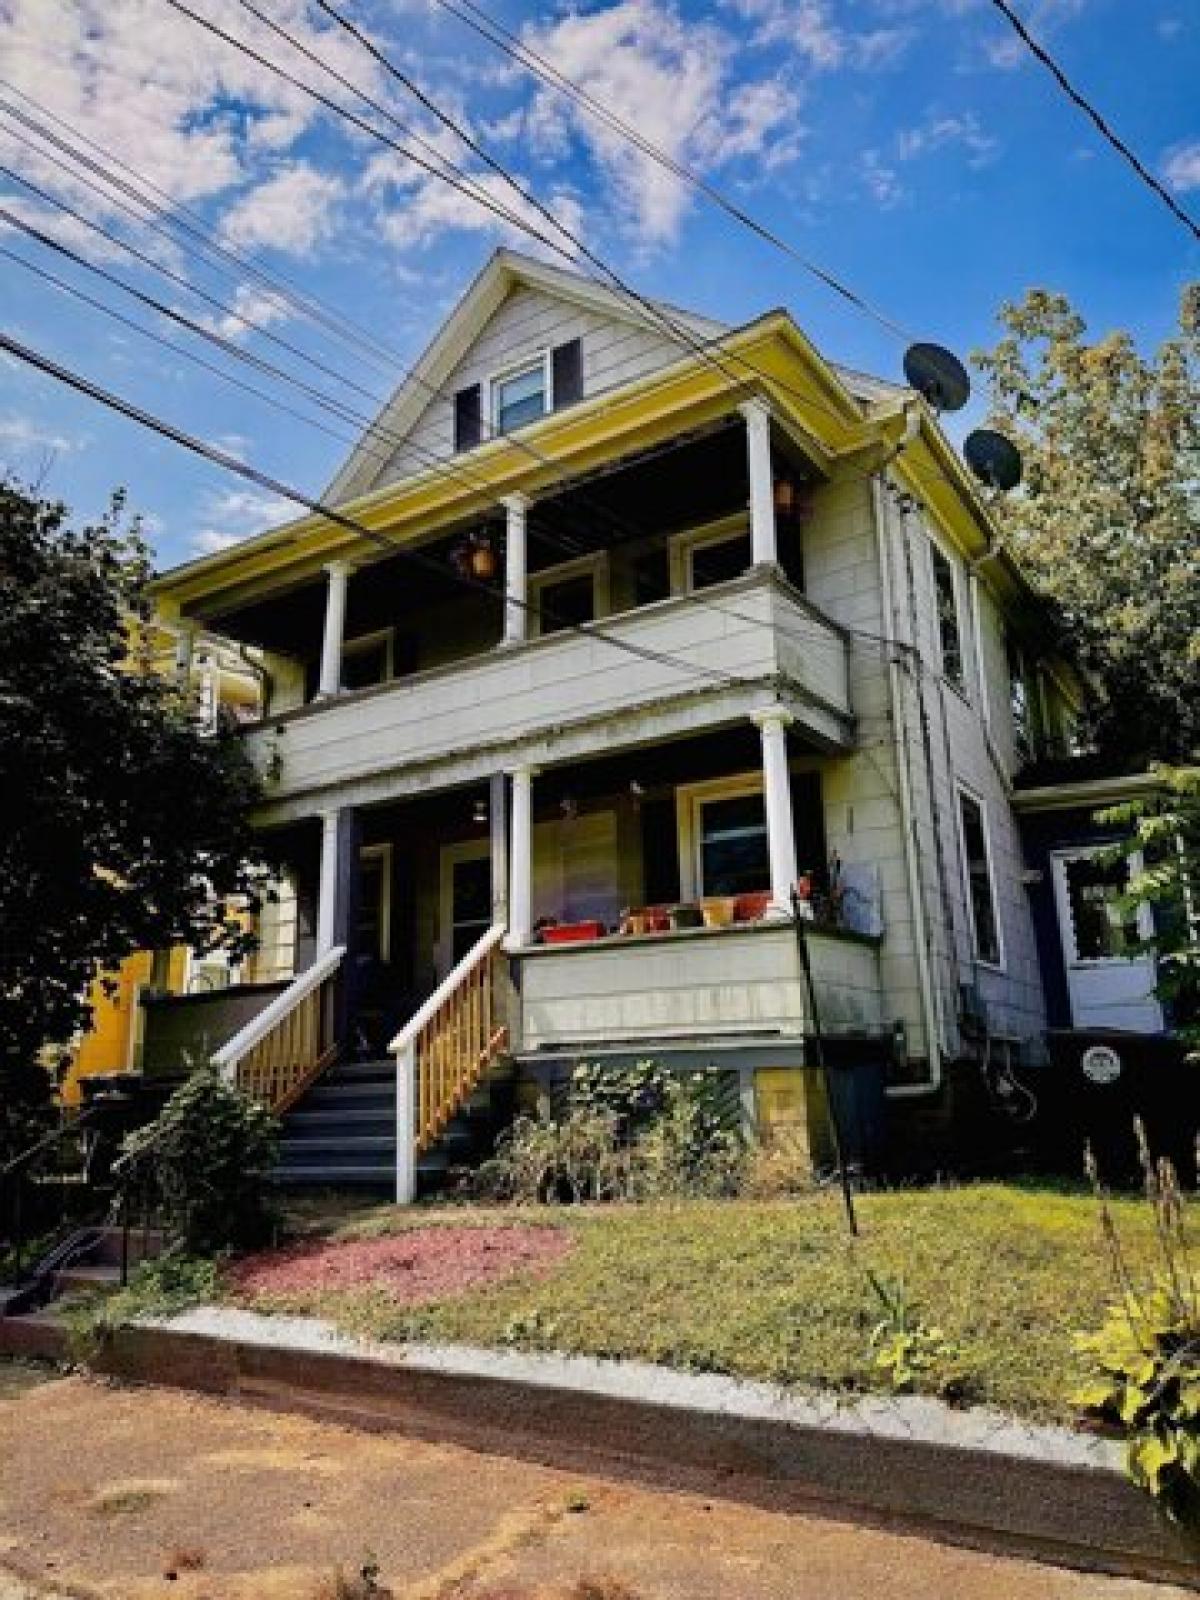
(138, 1493)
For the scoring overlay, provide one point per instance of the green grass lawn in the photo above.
(777, 1290)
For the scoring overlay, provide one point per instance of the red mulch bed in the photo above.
(412, 1267)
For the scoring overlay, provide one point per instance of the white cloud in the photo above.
(805, 25)
(676, 81)
(939, 132)
(1182, 167)
(20, 434)
(428, 208)
(293, 211)
(235, 514)
(1008, 50)
(252, 307)
(881, 180)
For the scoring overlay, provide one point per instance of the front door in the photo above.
(1109, 985)
(466, 901)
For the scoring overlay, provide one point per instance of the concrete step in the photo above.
(85, 1275)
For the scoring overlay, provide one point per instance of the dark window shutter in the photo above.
(568, 373)
(468, 417)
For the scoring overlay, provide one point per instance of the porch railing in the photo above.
(279, 1052)
(443, 1052)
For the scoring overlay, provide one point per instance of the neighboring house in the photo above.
(219, 675)
(727, 626)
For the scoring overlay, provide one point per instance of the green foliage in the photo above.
(911, 1353)
(1144, 1360)
(1108, 515)
(125, 828)
(629, 1134)
(1165, 830)
(211, 1151)
(171, 1283)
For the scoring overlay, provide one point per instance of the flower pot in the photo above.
(751, 907)
(573, 932)
(657, 919)
(718, 911)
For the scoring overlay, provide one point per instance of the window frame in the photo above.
(683, 547)
(506, 374)
(963, 791)
(546, 577)
(690, 800)
(958, 679)
(359, 645)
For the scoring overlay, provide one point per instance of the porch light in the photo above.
(476, 557)
(479, 812)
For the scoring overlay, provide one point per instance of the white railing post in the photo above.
(327, 882)
(406, 1124)
(330, 681)
(516, 610)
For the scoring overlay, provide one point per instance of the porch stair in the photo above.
(341, 1133)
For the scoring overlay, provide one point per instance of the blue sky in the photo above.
(907, 145)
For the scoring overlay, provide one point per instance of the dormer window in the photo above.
(521, 396)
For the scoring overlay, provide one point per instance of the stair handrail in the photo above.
(405, 1048)
(429, 1009)
(253, 1033)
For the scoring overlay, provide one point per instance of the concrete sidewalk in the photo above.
(143, 1493)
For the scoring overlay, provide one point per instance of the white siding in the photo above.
(529, 322)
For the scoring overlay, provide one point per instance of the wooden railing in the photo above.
(444, 1051)
(279, 1052)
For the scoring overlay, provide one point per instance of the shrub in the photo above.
(1144, 1360)
(211, 1151)
(628, 1134)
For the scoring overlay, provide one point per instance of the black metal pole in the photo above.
(798, 920)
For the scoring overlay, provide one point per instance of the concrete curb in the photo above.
(970, 1477)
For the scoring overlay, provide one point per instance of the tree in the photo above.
(125, 827)
(1108, 519)
(1164, 832)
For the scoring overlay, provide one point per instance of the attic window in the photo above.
(520, 396)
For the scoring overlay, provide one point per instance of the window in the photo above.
(519, 397)
(718, 560)
(1018, 699)
(949, 628)
(722, 827)
(567, 595)
(981, 888)
(367, 660)
(1103, 928)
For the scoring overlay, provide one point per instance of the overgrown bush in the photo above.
(210, 1153)
(628, 1134)
(1144, 1361)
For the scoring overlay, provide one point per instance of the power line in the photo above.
(265, 480)
(490, 28)
(1100, 122)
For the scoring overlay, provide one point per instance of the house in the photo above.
(628, 625)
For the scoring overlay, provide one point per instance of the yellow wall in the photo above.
(108, 1046)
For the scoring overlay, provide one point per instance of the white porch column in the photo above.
(520, 860)
(763, 544)
(338, 573)
(516, 612)
(777, 792)
(327, 883)
(498, 826)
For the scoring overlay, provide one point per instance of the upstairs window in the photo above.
(980, 885)
(1018, 699)
(520, 396)
(949, 625)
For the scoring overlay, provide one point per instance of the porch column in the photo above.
(327, 884)
(185, 643)
(520, 860)
(763, 545)
(498, 824)
(772, 725)
(338, 574)
(516, 613)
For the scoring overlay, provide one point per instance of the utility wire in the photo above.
(490, 28)
(1099, 121)
(265, 480)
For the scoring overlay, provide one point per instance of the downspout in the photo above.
(912, 867)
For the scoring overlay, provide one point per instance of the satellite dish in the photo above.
(993, 459)
(938, 375)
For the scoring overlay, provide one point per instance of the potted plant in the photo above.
(718, 910)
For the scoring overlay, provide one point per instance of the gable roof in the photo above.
(506, 271)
